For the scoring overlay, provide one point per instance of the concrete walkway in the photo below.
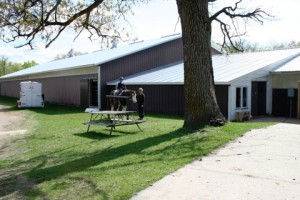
(263, 164)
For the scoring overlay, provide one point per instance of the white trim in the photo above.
(232, 99)
(242, 97)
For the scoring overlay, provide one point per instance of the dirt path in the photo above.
(13, 131)
(12, 128)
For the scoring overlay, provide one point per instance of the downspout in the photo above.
(298, 112)
(99, 87)
(229, 104)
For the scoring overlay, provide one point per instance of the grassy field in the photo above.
(59, 160)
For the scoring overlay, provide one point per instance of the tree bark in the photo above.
(200, 99)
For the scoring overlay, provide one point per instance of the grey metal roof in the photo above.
(92, 59)
(172, 73)
(232, 67)
(292, 66)
(226, 68)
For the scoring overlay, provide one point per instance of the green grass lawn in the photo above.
(59, 160)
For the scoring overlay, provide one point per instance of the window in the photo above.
(238, 98)
(241, 97)
(244, 97)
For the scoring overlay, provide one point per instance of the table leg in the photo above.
(89, 123)
(139, 127)
(88, 128)
(111, 129)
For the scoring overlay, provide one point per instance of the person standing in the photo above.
(140, 97)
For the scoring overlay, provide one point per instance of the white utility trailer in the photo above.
(30, 95)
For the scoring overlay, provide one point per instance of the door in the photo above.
(88, 93)
(93, 93)
(258, 98)
(84, 93)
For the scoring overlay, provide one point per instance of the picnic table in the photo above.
(111, 119)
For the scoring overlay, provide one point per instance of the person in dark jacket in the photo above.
(140, 97)
(121, 86)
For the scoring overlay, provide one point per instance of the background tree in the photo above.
(46, 20)
(13, 67)
(242, 46)
(246, 46)
(3, 65)
(294, 44)
(7, 67)
(284, 45)
(28, 64)
(70, 54)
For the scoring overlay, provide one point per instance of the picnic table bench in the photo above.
(111, 119)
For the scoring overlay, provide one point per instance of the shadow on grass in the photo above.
(9, 104)
(9, 109)
(20, 187)
(106, 155)
(163, 116)
(8, 101)
(96, 135)
(53, 109)
(105, 133)
(49, 109)
(40, 174)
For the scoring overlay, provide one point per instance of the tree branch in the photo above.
(33, 19)
(257, 15)
(225, 9)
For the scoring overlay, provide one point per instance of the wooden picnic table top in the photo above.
(108, 112)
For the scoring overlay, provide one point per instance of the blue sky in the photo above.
(159, 18)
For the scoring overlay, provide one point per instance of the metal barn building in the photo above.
(81, 80)
(250, 82)
(255, 83)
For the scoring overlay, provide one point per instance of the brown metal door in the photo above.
(258, 98)
(84, 93)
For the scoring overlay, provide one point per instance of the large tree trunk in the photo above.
(200, 99)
